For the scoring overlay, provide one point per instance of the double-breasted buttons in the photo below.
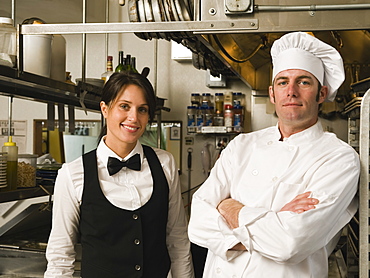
(135, 216)
(137, 241)
(137, 267)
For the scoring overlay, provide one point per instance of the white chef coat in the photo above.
(128, 189)
(264, 174)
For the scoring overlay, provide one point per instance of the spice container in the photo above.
(27, 170)
(192, 119)
(8, 47)
(195, 99)
(206, 100)
(237, 99)
(238, 118)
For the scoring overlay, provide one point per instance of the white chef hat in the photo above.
(299, 50)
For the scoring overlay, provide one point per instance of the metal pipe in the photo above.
(10, 111)
(106, 34)
(13, 12)
(83, 42)
(313, 7)
(159, 115)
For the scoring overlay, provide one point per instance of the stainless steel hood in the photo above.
(243, 49)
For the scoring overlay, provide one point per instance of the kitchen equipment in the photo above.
(93, 81)
(37, 54)
(8, 50)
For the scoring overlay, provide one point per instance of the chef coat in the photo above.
(128, 189)
(264, 174)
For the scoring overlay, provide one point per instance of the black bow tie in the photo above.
(114, 164)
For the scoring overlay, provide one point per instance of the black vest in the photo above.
(118, 243)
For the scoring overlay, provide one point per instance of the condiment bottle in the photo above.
(229, 117)
(11, 149)
(218, 119)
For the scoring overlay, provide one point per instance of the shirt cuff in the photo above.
(249, 215)
(246, 217)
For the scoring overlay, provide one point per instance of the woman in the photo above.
(128, 215)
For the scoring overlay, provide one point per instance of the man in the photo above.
(277, 199)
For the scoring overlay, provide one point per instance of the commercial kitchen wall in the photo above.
(174, 80)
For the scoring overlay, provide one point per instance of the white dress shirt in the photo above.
(264, 174)
(127, 189)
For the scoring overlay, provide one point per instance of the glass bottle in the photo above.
(206, 99)
(128, 64)
(192, 118)
(121, 64)
(105, 76)
(11, 149)
(238, 118)
(237, 99)
(229, 117)
(200, 118)
(218, 119)
(133, 64)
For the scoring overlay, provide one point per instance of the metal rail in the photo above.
(364, 187)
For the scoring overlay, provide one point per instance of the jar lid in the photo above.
(195, 94)
(6, 20)
(219, 94)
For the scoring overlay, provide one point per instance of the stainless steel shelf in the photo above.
(38, 88)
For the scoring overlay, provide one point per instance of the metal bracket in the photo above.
(238, 6)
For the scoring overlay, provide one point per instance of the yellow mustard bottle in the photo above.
(11, 149)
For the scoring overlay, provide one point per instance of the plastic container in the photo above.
(8, 42)
(37, 54)
(11, 149)
(27, 164)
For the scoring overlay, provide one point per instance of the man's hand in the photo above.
(229, 209)
(301, 203)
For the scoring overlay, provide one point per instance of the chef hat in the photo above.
(300, 50)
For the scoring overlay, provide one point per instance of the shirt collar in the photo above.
(305, 136)
(104, 152)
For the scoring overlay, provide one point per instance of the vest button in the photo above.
(135, 216)
(137, 267)
(137, 242)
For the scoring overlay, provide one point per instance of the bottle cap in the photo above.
(10, 142)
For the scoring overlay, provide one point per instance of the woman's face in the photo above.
(126, 119)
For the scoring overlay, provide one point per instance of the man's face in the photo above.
(295, 95)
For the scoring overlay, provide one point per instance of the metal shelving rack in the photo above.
(358, 237)
(38, 88)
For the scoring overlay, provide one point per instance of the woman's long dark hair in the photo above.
(117, 82)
